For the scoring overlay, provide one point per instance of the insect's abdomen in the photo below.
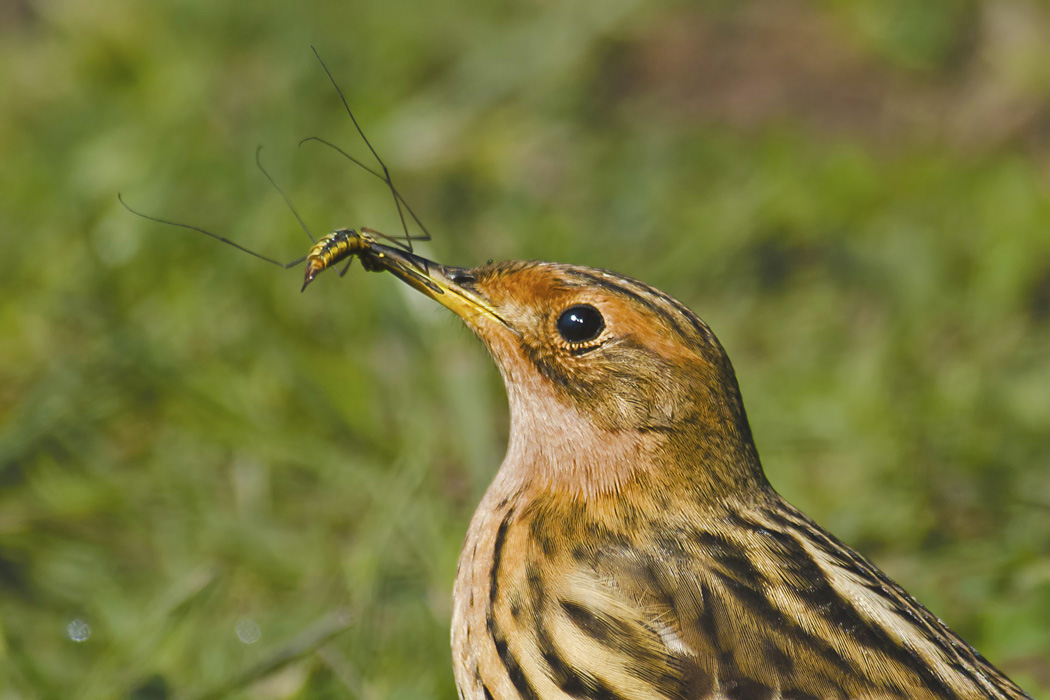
(336, 246)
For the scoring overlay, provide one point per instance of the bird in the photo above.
(630, 546)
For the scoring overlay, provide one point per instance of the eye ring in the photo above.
(580, 323)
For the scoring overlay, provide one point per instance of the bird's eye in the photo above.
(581, 323)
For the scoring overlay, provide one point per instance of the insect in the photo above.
(341, 244)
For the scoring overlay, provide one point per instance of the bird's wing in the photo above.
(771, 607)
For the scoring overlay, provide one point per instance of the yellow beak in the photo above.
(449, 286)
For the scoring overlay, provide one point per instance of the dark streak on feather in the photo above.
(574, 682)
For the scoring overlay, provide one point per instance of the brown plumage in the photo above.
(630, 546)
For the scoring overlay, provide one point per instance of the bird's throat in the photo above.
(554, 446)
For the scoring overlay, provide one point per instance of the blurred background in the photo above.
(212, 485)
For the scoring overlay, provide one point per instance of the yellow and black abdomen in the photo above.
(333, 248)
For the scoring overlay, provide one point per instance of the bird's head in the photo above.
(606, 377)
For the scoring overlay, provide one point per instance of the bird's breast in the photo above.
(538, 610)
(475, 658)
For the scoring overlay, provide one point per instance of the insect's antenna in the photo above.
(386, 173)
(408, 208)
(258, 161)
(198, 229)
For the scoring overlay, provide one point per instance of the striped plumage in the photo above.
(630, 547)
(759, 604)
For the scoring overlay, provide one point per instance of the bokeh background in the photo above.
(212, 485)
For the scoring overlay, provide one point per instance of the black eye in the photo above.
(578, 324)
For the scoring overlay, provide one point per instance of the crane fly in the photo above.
(341, 244)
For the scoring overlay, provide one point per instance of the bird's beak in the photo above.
(452, 287)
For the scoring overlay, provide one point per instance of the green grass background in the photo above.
(853, 194)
